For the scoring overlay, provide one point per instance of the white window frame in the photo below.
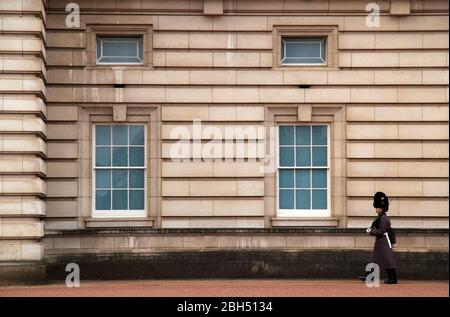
(322, 42)
(303, 212)
(101, 39)
(118, 213)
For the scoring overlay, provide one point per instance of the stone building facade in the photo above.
(336, 99)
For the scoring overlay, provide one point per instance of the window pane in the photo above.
(319, 199)
(120, 156)
(319, 156)
(286, 178)
(319, 179)
(303, 135)
(286, 199)
(120, 146)
(120, 200)
(136, 135)
(120, 178)
(102, 156)
(136, 156)
(292, 60)
(303, 199)
(117, 48)
(286, 135)
(319, 135)
(136, 199)
(303, 156)
(103, 179)
(120, 135)
(137, 178)
(103, 200)
(302, 179)
(287, 156)
(127, 49)
(118, 60)
(304, 50)
(103, 135)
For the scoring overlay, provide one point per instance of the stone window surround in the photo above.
(331, 115)
(147, 115)
(92, 30)
(329, 31)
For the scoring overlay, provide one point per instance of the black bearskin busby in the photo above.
(380, 200)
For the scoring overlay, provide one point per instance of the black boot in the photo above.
(392, 277)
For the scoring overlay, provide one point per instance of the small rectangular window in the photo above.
(303, 170)
(119, 170)
(303, 51)
(120, 50)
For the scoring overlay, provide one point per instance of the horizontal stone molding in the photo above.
(23, 6)
(212, 207)
(398, 187)
(246, 95)
(11, 103)
(22, 23)
(212, 169)
(19, 44)
(17, 250)
(15, 228)
(25, 205)
(398, 149)
(235, 239)
(118, 223)
(23, 144)
(15, 83)
(24, 123)
(402, 222)
(19, 185)
(217, 77)
(426, 169)
(397, 131)
(22, 164)
(212, 188)
(402, 207)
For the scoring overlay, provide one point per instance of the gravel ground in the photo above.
(232, 288)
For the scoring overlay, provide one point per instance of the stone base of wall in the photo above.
(320, 264)
(22, 273)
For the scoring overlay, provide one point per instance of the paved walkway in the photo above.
(232, 288)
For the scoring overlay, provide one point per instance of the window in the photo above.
(119, 171)
(119, 50)
(303, 171)
(303, 51)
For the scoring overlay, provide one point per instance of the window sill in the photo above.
(305, 222)
(119, 222)
(305, 67)
(119, 67)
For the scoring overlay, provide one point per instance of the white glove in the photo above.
(368, 230)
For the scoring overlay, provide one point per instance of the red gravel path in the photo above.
(232, 288)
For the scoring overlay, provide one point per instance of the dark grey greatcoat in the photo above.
(383, 254)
